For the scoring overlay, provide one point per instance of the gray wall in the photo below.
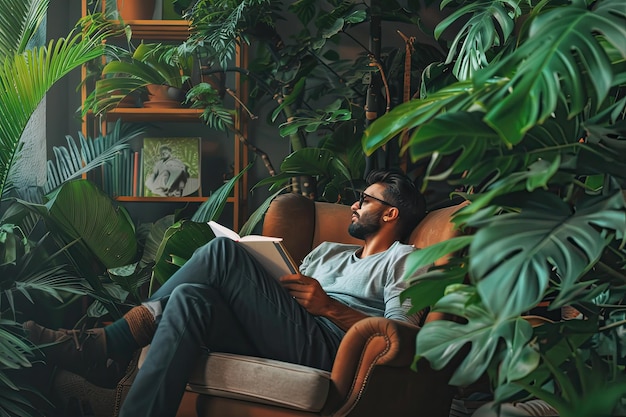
(63, 99)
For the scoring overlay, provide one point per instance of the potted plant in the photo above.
(531, 131)
(155, 66)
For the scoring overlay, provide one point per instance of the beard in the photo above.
(365, 226)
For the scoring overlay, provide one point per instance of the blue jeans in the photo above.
(222, 300)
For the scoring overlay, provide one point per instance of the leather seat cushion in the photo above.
(261, 380)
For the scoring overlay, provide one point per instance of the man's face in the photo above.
(165, 153)
(366, 216)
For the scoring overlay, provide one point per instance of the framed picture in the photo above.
(171, 167)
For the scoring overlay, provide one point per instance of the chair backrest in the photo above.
(303, 224)
(436, 227)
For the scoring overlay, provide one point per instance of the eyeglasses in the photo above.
(362, 197)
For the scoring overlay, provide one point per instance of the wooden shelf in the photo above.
(166, 199)
(144, 114)
(169, 30)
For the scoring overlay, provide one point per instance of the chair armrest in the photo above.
(372, 374)
(370, 342)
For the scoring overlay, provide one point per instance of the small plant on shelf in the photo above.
(157, 67)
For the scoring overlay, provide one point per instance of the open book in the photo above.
(268, 251)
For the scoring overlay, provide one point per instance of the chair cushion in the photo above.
(261, 380)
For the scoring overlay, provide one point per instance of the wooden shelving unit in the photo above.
(173, 31)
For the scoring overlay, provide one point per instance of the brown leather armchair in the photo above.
(371, 375)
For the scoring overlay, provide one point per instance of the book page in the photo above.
(223, 231)
(257, 238)
(268, 251)
(272, 255)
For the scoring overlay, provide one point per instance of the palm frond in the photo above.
(17, 353)
(77, 159)
(25, 78)
(18, 26)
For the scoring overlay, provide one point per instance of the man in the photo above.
(222, 300)
(169, 175)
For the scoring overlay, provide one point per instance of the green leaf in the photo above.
(73, 161)
(548, 70)
(27, 74)
(512, 254)
(309, 161)
(356, 16)
(213, 207)
(258, 214)
(428, 288)
(288, 100)
(557, 343)
(416, 113)
(478, 36)
(427, 256)
(79, 210)
(180, 241)
(441, 341)
(334, 29)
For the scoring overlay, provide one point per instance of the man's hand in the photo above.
(308, 293)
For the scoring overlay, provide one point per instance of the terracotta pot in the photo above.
(136, 9)
(164, 96)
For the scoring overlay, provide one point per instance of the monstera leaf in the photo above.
(512, 255)
(548, 69)
(442, 341)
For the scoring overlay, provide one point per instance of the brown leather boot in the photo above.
(81, 351)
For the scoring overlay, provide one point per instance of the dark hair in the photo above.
(402, 193)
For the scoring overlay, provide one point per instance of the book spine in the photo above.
(285, 257)
(142, 179)
(135, 173)
(116, 176)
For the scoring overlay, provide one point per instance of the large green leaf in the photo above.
(512, 255)
(479, 34)
(179, 243)
(78, 210)
(416, 113)
(549, 68)
(441, 341)
(428, 288)
(318, 162)
(455, 132)
(557, 342)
